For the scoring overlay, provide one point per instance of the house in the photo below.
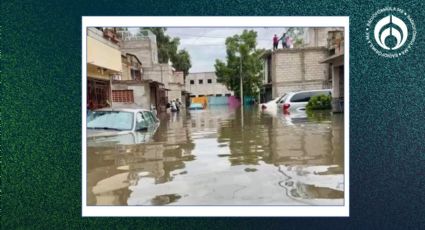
(335, 60)
(157, 75)
(293, 70)
(103, 64)
(130, 86)
(204, 84)
(299, 68)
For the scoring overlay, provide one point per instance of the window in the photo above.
(192, 82)
(209, 81)
(281, 99)
(141, 122)
(301, 97)
(227, 95)
(219, 95)
(125, 96)
(154, 118)
(148, 117)
(133, 74)
(201, 81)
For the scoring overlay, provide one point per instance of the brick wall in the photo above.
(298, 69)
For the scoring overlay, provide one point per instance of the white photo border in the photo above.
(216, 211)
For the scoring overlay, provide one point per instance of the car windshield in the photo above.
(113, 120)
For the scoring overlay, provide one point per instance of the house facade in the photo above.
(300, 68)
(155, 76)
(295, 69)
(130, 87)
(204, 84)
(103, 64)
(335, 60)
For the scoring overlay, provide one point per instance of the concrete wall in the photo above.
(205, 88)
(145, 50)
(160, 73)
(298, 69)
(175, 92)
(141, 93)
(178, 78)
(176, 86)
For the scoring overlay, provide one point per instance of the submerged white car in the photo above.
(271, 107)
(120, 126)
(297, 101)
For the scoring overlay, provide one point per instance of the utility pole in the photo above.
(241, 87)
(240, 75)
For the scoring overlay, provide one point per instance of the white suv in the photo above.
(297, 101)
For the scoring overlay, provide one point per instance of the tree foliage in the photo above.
(297, 34)
(181, 62)
(319, 102)
(168, 50)
(250, 67)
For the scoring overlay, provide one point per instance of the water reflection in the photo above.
(208, 157)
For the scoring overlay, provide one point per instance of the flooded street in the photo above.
(216, 157)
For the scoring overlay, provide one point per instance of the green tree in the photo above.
(237, 47)
(297, 34)
(181, 62)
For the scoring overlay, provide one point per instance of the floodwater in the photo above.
(217, 157)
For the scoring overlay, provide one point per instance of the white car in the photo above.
(297, 101)
(270, 105)
(120, 126)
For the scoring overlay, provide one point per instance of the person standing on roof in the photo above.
(283, 38)
(288, 42)
(275, 42)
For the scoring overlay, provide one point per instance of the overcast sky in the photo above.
(207, 44)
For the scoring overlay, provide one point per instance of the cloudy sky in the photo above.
(207, 44)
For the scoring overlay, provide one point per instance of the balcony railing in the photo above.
(143, 35)
(110, 35)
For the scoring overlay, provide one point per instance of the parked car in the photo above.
(195, 106)
(120, 125)
(270, 105)
(297, 101)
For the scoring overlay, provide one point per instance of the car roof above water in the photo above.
(306, 91)
(123, 109)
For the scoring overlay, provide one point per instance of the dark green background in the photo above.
(41, 116)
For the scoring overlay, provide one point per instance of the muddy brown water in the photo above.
(216, 157)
